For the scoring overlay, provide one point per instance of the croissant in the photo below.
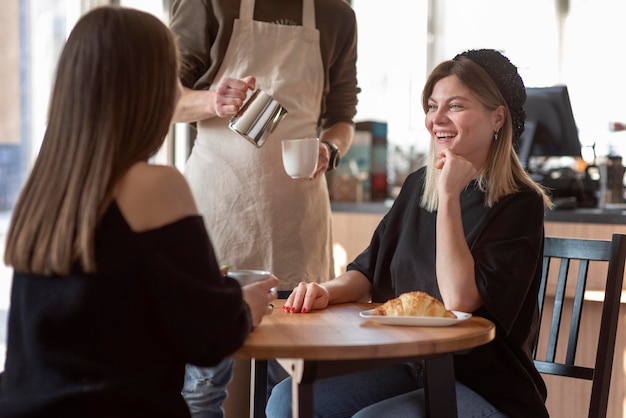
(413, 304)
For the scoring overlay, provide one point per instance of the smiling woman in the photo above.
(457, 212)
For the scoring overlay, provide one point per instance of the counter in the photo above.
(583, 215)
(354, 224)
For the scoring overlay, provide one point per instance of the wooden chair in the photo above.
(587, 252)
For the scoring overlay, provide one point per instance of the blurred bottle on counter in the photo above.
(359, 153)
(611, 181)
(377, 131)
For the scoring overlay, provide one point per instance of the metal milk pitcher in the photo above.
(258, 117)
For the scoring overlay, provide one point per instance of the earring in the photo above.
(495, 135)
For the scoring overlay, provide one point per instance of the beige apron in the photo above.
(257, 216)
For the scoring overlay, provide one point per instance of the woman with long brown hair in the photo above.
(116, 286)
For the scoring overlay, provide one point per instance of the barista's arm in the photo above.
(225, 100)
(340, 134)
(194, 105)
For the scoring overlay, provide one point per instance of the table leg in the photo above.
(303, 375)
(439, 386)
(302, 400)
(259, 396)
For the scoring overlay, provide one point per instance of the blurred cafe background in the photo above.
(574, 47)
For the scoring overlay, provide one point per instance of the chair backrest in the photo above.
(586, 252)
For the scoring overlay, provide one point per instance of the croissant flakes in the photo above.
(413, 304)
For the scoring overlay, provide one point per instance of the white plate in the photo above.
(416, 321)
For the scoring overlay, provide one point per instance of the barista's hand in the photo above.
(456, 173)
(322, 161)
(259, 297)
(231, 93)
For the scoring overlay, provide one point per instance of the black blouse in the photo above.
(506, 242)
(115, 343)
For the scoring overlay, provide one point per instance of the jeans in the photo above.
(275, 375)
(389, 392)
(204, 389)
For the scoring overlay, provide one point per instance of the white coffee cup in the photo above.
(300, 156)
(245, 277)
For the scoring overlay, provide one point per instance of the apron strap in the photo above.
(246, 10)
(308, 14)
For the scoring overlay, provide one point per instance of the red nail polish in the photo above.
(303, 310)
(293, 309)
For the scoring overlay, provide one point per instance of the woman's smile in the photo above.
(444, 137)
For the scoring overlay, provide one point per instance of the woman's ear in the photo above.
(499, 116)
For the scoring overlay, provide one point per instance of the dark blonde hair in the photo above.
(503, 172)
(111, 107)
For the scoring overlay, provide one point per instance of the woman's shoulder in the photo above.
(526, 191)
(410, 194)
(150, 196)
(416, 177)
(330, 7)
(526, 200)
(335, 16)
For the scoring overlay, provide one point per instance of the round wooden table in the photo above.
(337, 341)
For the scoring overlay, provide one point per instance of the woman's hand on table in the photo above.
(348, 287)
(259, 297)
(306, 297)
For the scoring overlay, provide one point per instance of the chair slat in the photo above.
(574, 328)
(557, 310)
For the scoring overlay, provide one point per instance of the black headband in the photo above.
(508, 81)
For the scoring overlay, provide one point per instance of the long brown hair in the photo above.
(503, 171)
(111, 106)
